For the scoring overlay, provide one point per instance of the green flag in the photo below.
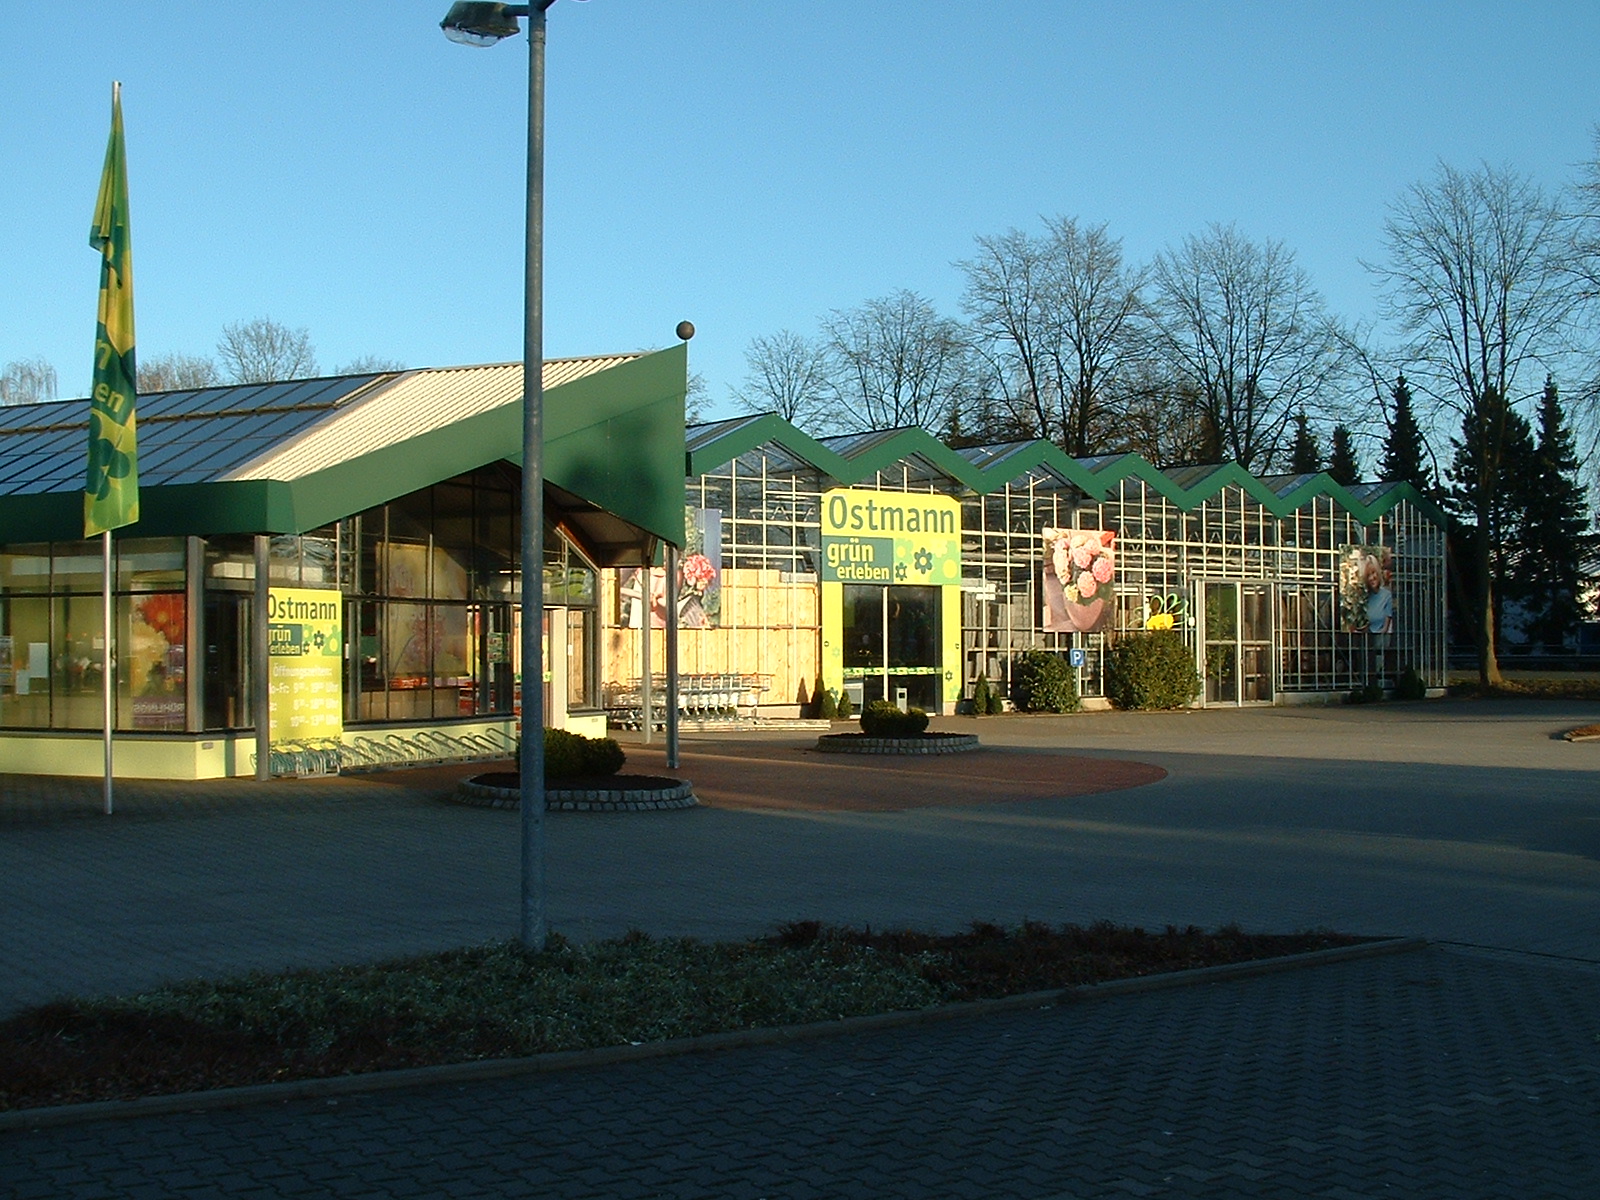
(111, 489)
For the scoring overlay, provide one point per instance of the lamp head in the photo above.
(479, 24)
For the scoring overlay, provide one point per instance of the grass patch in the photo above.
(502, 1001)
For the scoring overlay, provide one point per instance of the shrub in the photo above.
(1367, 693)
(569, 755)
(1042, 682)
(980, 696)
(881, 718)
(997, 701)
(846, 709)
(822, 700)
(1151, 670)
(1411, 686)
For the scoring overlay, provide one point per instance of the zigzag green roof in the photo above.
(1097, 478)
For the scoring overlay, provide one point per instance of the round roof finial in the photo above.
(685, 330)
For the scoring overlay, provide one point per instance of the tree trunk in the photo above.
(1488, 664)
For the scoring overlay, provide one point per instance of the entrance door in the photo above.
(891, 641)
(1237, 642)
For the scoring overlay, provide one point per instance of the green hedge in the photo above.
(1041, 681)
(570, 755)
(880, 718)
(1151, 670)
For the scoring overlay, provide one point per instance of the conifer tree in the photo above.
(1343, 465)
(1305, 456)
(1404, 450)
(1556, 539)
(1490, 477)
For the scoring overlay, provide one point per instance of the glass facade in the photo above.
(430, 585)
(1254, 594)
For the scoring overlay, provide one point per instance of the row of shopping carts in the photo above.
(707, 698)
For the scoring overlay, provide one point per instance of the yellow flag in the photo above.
(111, 489)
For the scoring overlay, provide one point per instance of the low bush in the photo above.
(827, 704)
(1411, 686)
(1366, 693)
(880, 718)
(980, 696)
(845, 708)
(1041, 681)
(1151, 670)
(569, 755)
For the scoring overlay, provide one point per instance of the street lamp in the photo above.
(484, 25)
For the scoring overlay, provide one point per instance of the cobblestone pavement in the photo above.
(1437, 1074)
(1451, 1073)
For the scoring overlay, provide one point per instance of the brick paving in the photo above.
(1434, 1074)
(1452, 1072)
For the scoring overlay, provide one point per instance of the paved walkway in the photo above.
(1450, 1073)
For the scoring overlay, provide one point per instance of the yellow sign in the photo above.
(890, 538)
(305, 659)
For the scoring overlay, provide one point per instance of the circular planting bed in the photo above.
(606, 793)
(922, 743)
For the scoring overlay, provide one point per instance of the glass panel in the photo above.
(77, 660)
(25, 662)
(152, 665)
(1256, 603)
(863, 627)
(25, 568)
(225, 686)
(1222, 619)
(78, 567)
(1222, 673)
(150, 564)
(582, 691)
(913, 626)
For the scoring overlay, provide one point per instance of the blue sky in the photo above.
(745, 164)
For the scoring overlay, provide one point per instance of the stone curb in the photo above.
(855, 743)
(483, 795)
(567, 1060)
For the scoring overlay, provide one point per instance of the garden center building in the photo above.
(888, 565)
(342, 555)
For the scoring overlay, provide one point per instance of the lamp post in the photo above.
(483, 25)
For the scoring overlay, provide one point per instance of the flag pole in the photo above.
(105, 658)
(111, 482)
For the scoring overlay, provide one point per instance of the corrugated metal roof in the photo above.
(193, 436)
(705, 433)
(416, 403)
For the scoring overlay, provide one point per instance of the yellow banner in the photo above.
(305, 675)
(111, 484)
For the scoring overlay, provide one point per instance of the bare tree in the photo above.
(27, 381)
(1478, 278)
(1243, 324)
(895, 361)
(788, 375)
(370, 364)
(177, 372)
(262, 351)
(1055, 318)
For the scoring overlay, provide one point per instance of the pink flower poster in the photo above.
(1080, 569)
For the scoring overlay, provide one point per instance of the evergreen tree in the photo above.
(1556, 541)
(1305, 456)
(1490, 477)
(1343, 465)
(1404, 450)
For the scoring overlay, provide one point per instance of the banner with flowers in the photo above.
(1366, 589)
(699, 579)
(1079, 579)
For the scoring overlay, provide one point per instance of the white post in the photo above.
(107, 682)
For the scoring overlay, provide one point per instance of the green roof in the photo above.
(983, 470)
(613, 446)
